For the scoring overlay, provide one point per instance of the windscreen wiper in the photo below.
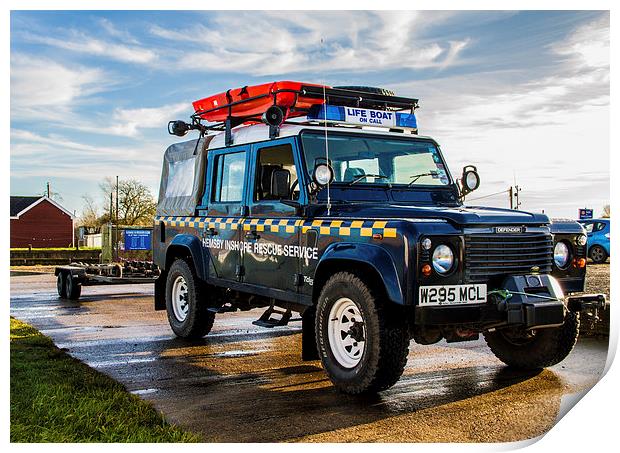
(362, 176)
(416, 177)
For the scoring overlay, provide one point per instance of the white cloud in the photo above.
(588, 45)
(129, 122)
(334, 41)
(80, 42)
(116, 32)
(42, 88)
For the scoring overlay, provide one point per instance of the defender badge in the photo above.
(510, 229)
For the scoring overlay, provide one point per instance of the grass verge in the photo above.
(56, 398)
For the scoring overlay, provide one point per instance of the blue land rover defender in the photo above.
(359, 226)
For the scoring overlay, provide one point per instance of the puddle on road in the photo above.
(144, 391)
(163, 338)
(115, 363)
(241, 353)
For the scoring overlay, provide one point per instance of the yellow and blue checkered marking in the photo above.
(363, 228)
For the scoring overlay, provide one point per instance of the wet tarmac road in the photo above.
(244, 383)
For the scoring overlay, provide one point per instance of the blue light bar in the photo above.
(363, 117)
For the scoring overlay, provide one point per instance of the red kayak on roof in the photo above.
(254, 100)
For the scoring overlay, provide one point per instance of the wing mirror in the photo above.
(470, 180)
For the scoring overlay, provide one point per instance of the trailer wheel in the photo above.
(73, 289)
(188, 315)
(61, 285)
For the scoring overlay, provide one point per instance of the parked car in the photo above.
(598, 239)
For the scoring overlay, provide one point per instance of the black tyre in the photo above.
(368, 104)
(374, 90)
(187, 314)
(73, 288)
(537, 349)
(61, 285)
(598, 254)
(362, 345)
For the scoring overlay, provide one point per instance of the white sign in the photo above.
(452, 294)
(368, 117)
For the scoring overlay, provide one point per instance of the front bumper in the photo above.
(531, 301)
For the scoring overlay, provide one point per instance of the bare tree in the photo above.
(90, 213)
(606, 211)
(136, 205)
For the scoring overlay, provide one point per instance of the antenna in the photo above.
(329, 200)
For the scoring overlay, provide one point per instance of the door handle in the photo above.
(211, 232)
(251, 235)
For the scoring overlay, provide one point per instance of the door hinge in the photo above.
(298, 279)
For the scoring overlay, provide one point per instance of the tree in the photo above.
(606, 211)
(136, 205)
(90, 214)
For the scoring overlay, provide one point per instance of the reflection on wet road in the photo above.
(245, 383)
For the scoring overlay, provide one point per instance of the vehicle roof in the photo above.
(246, 134)
(606, 220)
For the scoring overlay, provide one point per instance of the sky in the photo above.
(523, 96)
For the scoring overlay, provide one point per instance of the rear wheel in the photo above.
(187, 313)
(598, 254)
(73, 288)
(362, 347)
(533, 349)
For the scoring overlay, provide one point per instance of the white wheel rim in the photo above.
(346, 332)
(180, 296)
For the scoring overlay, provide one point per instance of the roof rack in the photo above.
(323, 94)
(361, 99)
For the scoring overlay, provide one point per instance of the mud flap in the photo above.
(309, 350)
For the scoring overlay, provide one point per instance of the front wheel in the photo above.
(362, 347)
(187, 313)
(537, 348)
(598, 254)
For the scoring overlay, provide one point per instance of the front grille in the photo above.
(492, 255)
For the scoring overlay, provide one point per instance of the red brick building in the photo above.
(40, 222)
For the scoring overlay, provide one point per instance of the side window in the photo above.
(599, 226)
(276, 175)
(229, 176)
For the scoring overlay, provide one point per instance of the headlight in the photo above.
(443, 259)
(561, 254)
(582, 239)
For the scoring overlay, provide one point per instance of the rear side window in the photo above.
(599, 226)
(229, 177)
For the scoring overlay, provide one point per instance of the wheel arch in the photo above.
(372, 262)
(186, 246)
(183, 246)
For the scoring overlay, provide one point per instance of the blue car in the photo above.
(598, 239)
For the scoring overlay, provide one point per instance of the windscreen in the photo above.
(361, 159)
